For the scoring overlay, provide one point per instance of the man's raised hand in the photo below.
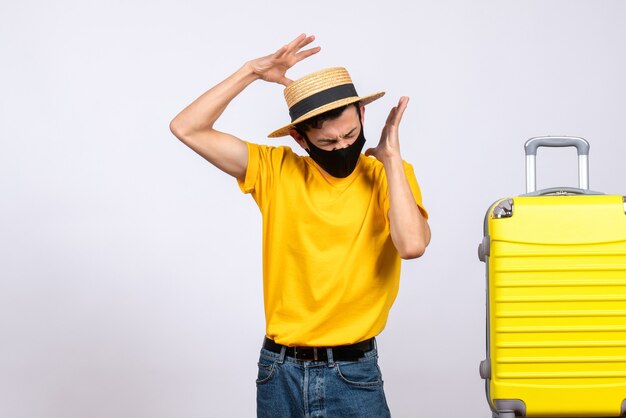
(389, 144)
(274, 66)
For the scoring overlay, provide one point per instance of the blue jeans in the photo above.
(290, 388)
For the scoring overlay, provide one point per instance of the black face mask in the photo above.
(338, 163)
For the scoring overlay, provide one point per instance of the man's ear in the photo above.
(299, 139)
(362, 112)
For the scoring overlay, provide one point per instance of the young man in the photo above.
(335, 227)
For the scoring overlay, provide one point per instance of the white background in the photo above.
(130, 269)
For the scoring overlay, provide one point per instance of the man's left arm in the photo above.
(410, 232)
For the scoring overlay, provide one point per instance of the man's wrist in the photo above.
(392, 160)
(248, 72)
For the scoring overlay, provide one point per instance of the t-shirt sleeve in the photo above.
(249, 182)
(264, 168)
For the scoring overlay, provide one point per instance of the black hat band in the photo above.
(321, 98)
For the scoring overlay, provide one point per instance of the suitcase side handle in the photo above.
(531, 146)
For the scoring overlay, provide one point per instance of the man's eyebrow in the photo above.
(342, 136)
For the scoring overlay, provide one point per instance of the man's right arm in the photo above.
(194, 125)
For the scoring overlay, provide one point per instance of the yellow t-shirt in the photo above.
(330, 269)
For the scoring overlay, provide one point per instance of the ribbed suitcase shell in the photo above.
(557, 305)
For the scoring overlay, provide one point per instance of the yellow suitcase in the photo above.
(556, 298)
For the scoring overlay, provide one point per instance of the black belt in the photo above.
(351, 352)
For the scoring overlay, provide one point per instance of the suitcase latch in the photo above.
(504, 209)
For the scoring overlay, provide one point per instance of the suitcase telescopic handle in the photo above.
(533, 144)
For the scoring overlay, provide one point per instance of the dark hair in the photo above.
(316, 122)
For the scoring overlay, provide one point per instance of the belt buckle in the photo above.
(301, 353)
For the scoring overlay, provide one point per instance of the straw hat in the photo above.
(320, 92)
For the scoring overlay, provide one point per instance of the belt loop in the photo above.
(329, 355)
(375, 344)
(281, 358)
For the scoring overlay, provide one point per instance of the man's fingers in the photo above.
(305, 41)
(281, 52)
(295, 44)
(391, 116)
(300, 42)
(402, 104)
(285, 81)
(307, 53)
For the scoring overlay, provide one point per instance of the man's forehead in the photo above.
(340, 126)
